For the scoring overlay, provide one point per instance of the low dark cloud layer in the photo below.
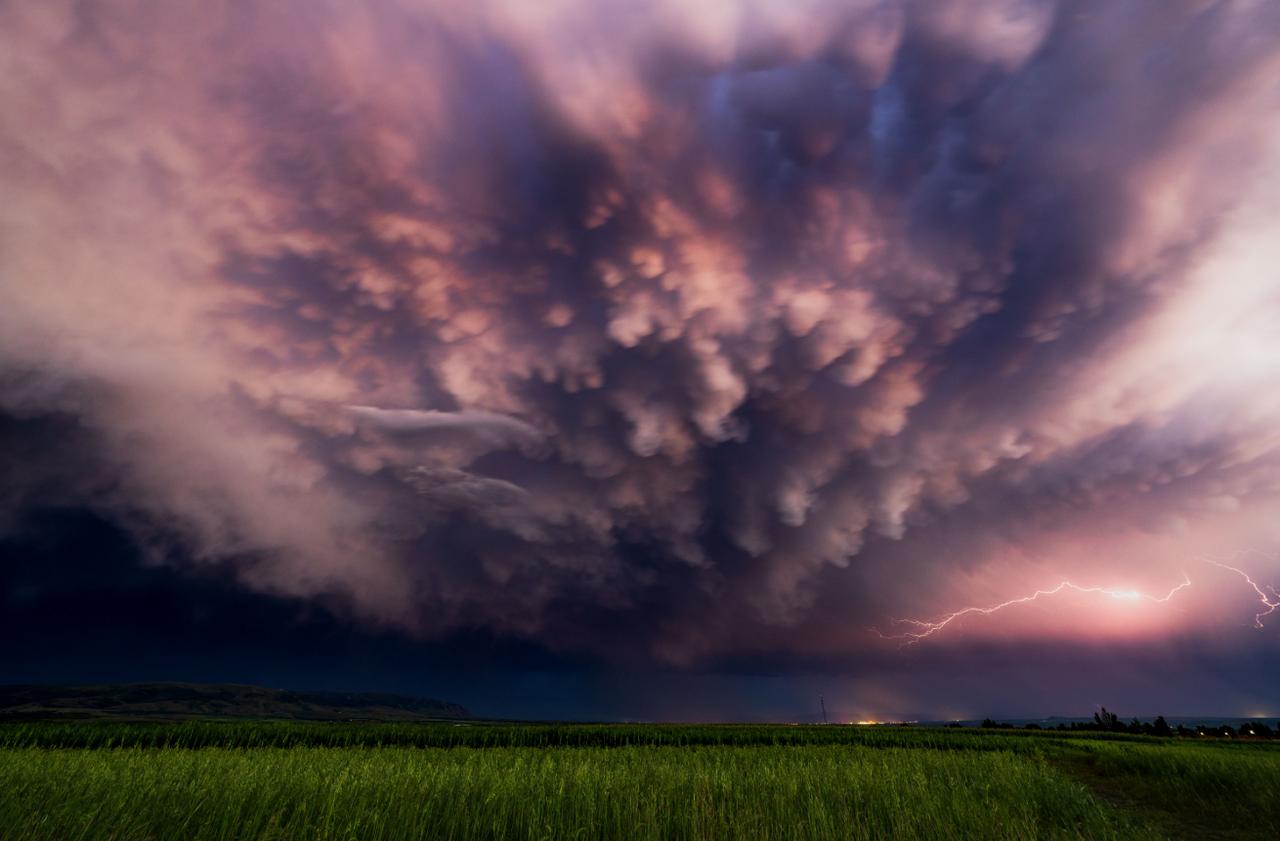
(654, 333)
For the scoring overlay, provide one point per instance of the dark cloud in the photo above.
(675, 336)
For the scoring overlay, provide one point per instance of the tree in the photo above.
(1107, 720)
(1161, 727)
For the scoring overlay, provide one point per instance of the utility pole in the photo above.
(823, 702)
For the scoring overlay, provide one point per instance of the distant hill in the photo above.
(214, 700)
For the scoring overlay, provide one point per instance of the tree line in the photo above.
(1106, 721)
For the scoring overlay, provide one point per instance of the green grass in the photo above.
(211, 780)
(1200, 790)
(530, 793)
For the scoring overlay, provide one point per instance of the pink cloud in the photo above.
(719, 315)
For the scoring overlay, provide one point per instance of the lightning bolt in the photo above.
(1271, 603)
(926, 629)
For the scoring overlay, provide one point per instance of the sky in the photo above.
(646, 360)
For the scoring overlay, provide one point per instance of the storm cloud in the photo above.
(672, 331)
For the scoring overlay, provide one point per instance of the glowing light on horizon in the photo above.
(927, 629)
(1271, 603)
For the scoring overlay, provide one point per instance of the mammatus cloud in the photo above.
(651, 328)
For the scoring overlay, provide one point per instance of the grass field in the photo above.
(215, 780)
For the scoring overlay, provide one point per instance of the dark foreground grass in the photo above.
(313, 781)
